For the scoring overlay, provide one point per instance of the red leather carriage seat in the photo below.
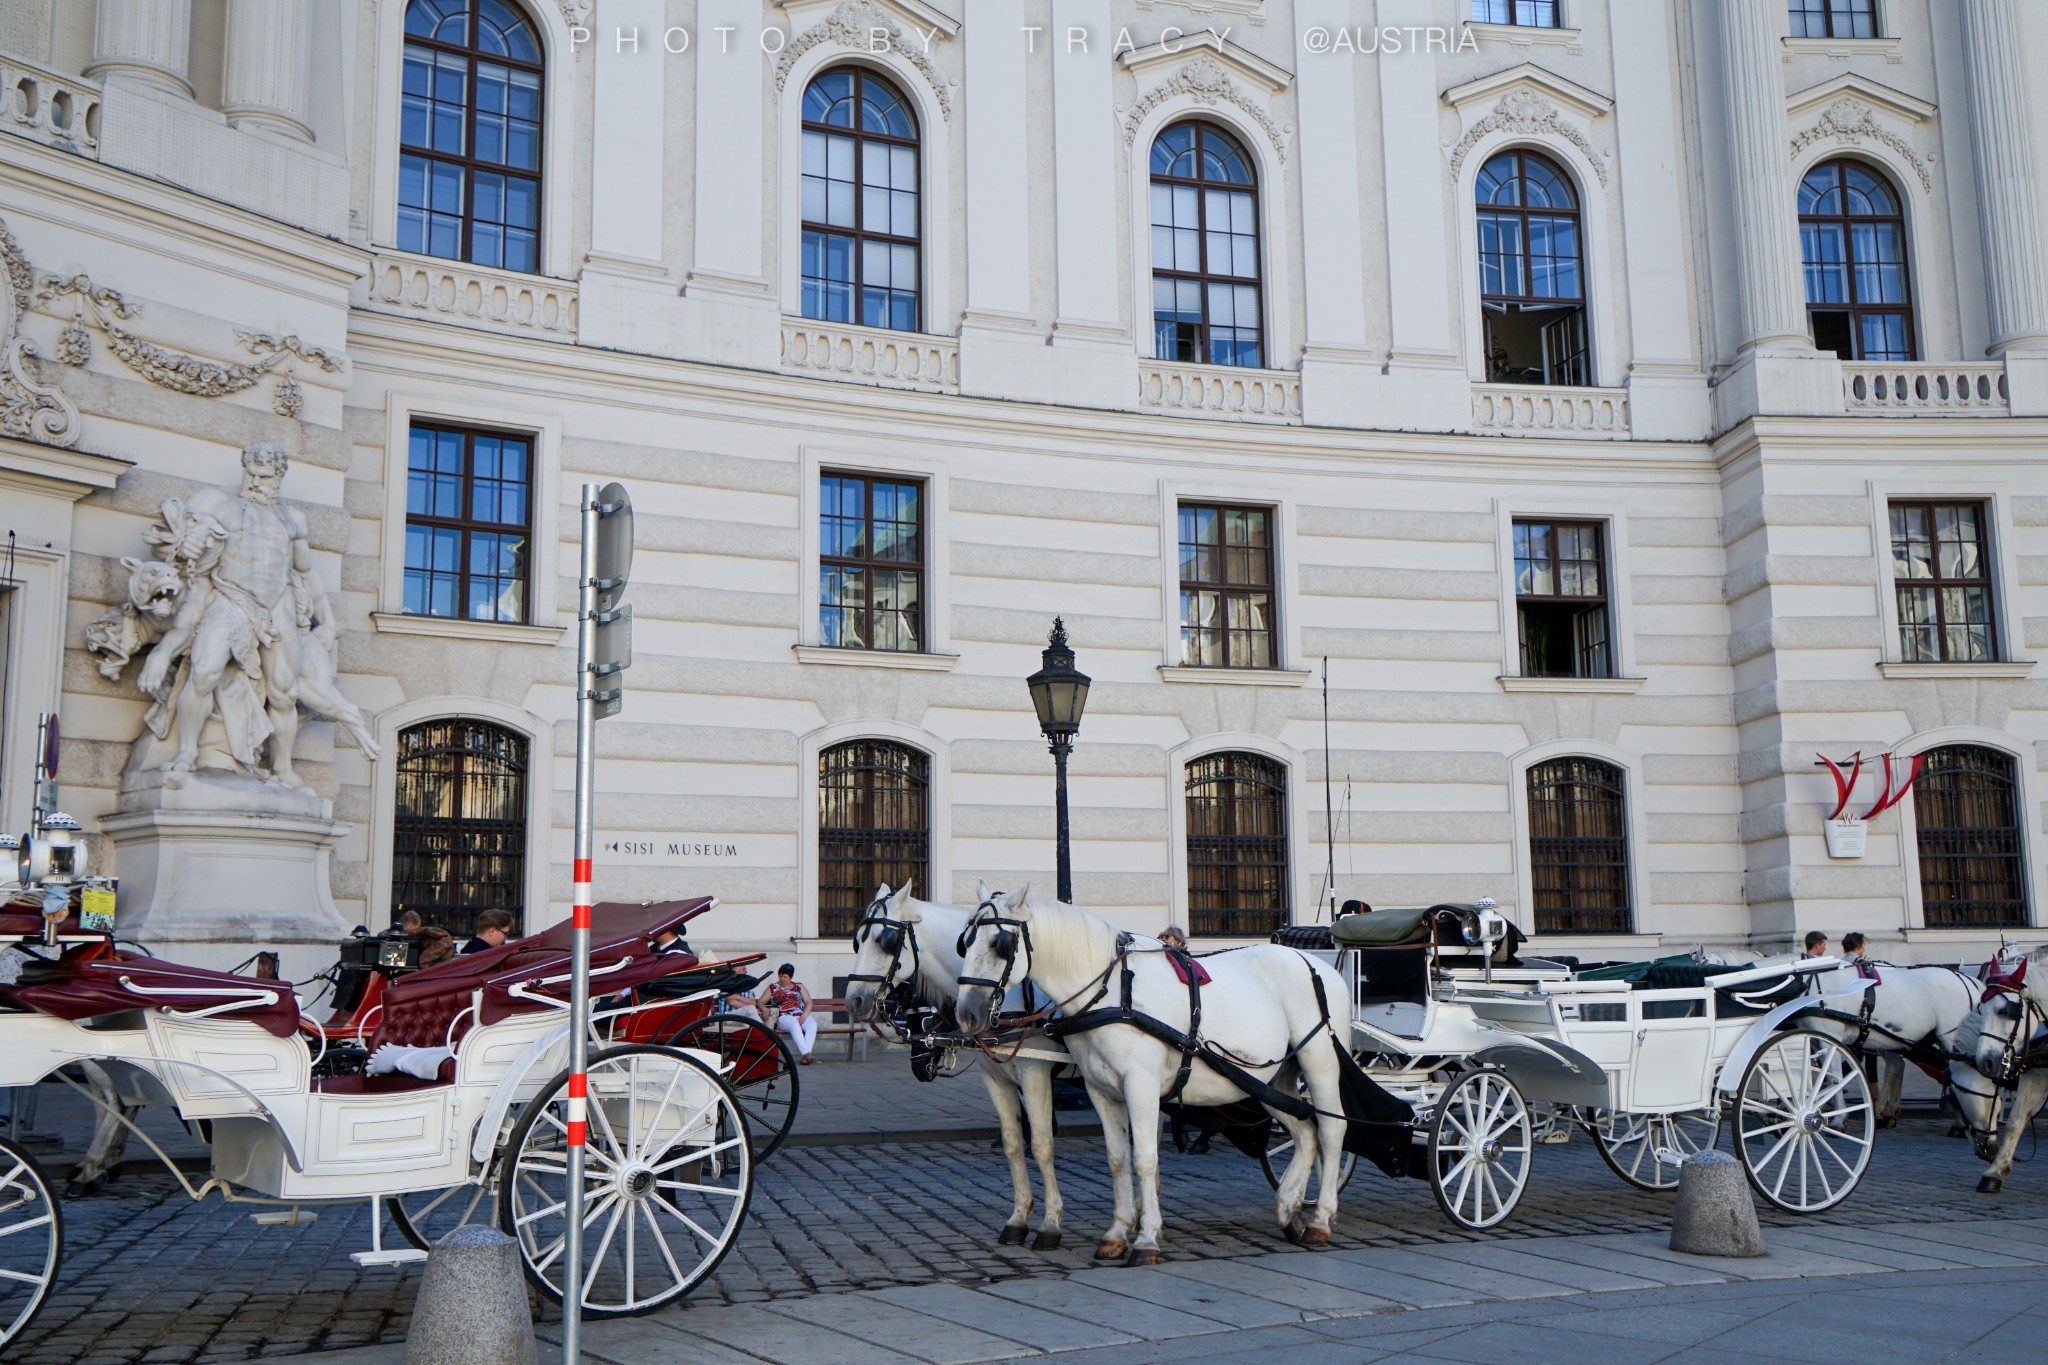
(92, 981)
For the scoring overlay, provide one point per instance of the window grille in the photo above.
(1237, 845)
(874, 826)
(459, 823)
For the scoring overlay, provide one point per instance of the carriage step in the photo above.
(389, 1256)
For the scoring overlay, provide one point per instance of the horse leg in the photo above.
(109, 1136)
(1325, 1088)
(1891, 1084)
(1116, 1136)
(2025, 1096)
(1010, 1114)
(1293, 1187)
(1141, 1095)
(1035, 1083)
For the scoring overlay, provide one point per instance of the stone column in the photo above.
(1766, 216)
(1085, 161)
(2008, 202)
(143, 39)
(998, 189)
(269, 78)
(627, 146)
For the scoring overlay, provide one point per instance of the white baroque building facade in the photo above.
(1632, 402)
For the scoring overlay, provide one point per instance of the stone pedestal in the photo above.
(214, 867)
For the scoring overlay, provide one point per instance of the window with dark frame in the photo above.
(1561, 604)
(1226, 587)
(1833, 18)
(874, 826)
(468, 523)
(459, 823)
(1206, 306)
(860, 202)
(470, 134)
(1852, 242)
(1941, 573)
(1532, 288)
(871, 563)
(1973, 849)
(1237, 845)
(1578, 847)
(1523, 13)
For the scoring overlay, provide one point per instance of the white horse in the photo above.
(1986, 1076)
(1908, 1005)
(1259, 1008)
(903, 939)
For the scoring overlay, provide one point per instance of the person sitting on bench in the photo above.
(788, 1003)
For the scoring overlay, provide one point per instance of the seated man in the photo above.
(493, 930)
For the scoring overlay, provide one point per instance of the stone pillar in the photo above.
(998, 191)
(1337, 361)
(269, 78)
(143, 39)
(2008, 202)
(1766, 216)
(626, 144)
(1084, 140)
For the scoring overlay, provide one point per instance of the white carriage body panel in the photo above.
(229, 1063)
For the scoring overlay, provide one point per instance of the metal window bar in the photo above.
(874, 826)
(1237, 845)
(1972, 849)
(459, 827)
(1578, 847)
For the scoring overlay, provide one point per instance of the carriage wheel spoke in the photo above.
(684, 1219)
(661, 1242)
(597, 1261)
(43, 1221)
(733, 1192)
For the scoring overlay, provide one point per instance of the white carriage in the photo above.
(479, 1133)
(1493, 1052)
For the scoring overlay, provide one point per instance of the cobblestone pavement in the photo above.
(150, 1277)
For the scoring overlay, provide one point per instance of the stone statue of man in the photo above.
(253, 627)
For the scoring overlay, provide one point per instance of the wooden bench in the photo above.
(833, 1020)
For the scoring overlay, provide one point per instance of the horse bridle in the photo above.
(906, 933)
(986, 915)
(2012, 1062)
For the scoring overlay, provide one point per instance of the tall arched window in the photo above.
(1237, 844)
(1852, 237)
(459, 825)
(1966, 810)
(874, 826)
(1532, 279)
(1205, 248)
(860, 212)
(469, 134)
(1578, 846)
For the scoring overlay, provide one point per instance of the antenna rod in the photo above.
(1329, 815)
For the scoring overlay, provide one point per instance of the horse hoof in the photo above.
(74, 1190)
(1012, 1237)
(1048, 1239)
(1887, 1123)
(1142, 1256)
(1292, 1230)
(1110, 1250)
(1313, 1236)
(1990, 1184)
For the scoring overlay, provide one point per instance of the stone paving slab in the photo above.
(1476, 1281)
(1146, 1321)
(1178, 1294)
(1536, 1265)
(1890, 1253)
(1034, 1327)
(916, 1335)
(1375, 1281)
(1277, 1286)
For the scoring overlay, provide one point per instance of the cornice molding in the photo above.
(32, 467)
(1586, 103)
(1896, 102)
(1248, 64)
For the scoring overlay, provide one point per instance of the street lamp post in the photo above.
(1059, 693)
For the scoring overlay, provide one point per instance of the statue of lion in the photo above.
(124, 631)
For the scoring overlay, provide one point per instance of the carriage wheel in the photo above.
(667, 1178)
(1646, 1149)
(762, 1073)
(424, 1217)
(1479, 1149)
(1280, 1151)
(1804, 1122)
(31, 1240)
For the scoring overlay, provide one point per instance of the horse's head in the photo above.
(995, 953)
(885, 951)
(1988, 1044)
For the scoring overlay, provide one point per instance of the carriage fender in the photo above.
(1548, 1071)
(1785, 1016)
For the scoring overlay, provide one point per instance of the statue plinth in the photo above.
(216, 866)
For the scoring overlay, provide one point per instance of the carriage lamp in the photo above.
(1059, 693)
(54, 859)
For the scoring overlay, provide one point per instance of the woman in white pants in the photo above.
(789, 1004)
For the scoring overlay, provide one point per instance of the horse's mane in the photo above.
(1071, 942)
(929, 988)
(1970, 1035)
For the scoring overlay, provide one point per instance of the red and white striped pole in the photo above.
(579, 991)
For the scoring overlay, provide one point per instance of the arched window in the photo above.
(1532, 279)
(1852, 237)
(860, 191)
(1833, 18)
(1578, 846)
(1205, 248)
(874, 826)
(469, 134)
(1237, 844)
(1966, 809)
(459, 827)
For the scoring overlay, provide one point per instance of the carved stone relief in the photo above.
(1528, 114)
(850, 26)
(1849, 121)
(1208, 82)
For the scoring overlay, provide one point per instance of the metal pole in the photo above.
(1065, 856)
(579, 989)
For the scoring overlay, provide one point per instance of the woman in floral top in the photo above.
(788, 1005)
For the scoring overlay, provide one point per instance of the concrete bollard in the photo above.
(471, 1308)
(1715, 1215)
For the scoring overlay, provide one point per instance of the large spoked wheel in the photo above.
(1281, 1151)
(1804, 1122)
(667, 1178)
(758, 1066)
(424, 1217)
(31, 1240)
(1479, 1149)
(1646, 1149)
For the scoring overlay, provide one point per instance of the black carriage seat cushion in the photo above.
(1394, 975)
(1671, 976)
